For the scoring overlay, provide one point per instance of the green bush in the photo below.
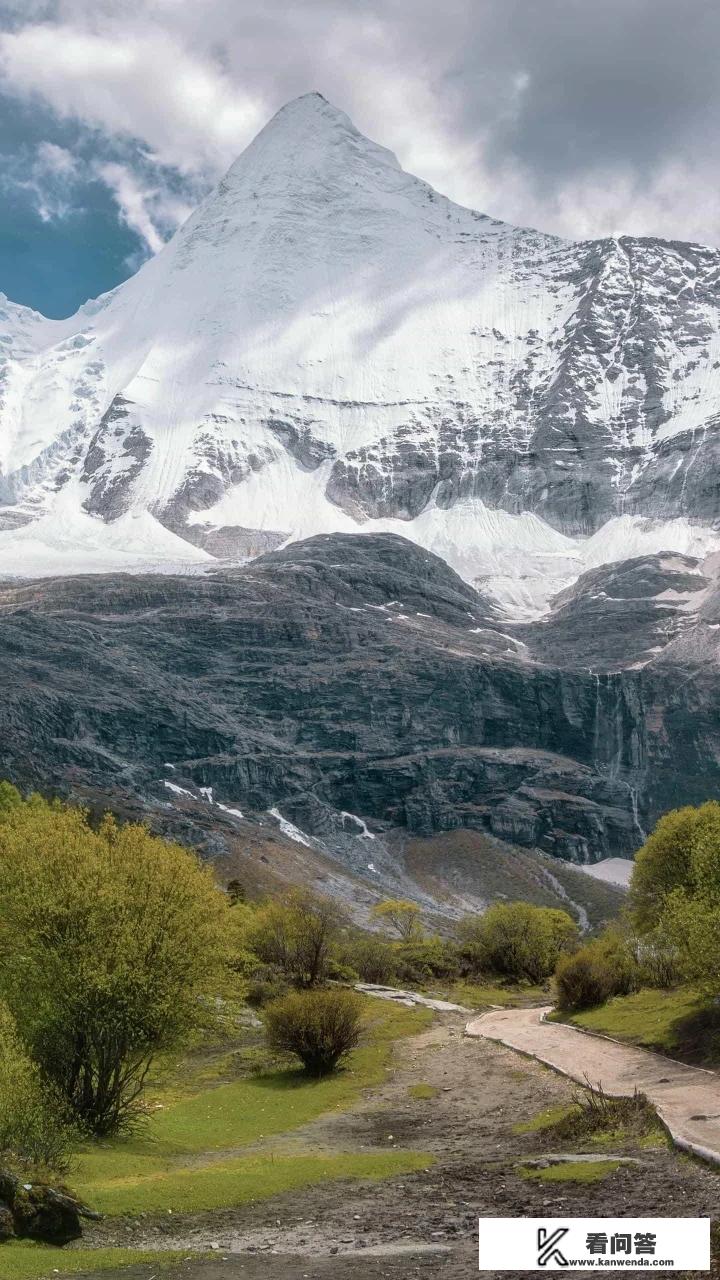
(582, 980)
(605, 967)
(34, 1128)
(297, 934)
(373, 959)
(10, 798)
(264, 987)
(319, 1027)
(109, 939)
(339, 972)
(424, 960)
(516, 940)
(659, 959)
(668, 860)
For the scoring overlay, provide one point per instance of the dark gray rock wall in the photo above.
(355, 674)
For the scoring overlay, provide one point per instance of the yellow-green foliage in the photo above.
(403, 916)
(109, 939)
(479, 995)
(543, 1120)
(319, 1027)
(33, 1127)
(518, 940)
(296, 933)
(10, 798)
(668, 859)
(692, 911)
(606, 966)
(675, 891)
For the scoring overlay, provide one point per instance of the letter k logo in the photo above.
(547, 1245)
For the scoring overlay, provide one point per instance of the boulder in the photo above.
(36, 1211)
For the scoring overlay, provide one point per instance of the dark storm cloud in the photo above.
(623, 81)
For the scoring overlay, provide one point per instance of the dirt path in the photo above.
(423, 1224)
(687, 1099)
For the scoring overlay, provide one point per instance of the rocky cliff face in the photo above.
(330, 345)
(350, 684)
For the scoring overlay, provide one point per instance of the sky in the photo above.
(585, 118)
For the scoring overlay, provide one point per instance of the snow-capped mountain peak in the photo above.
(328, 344)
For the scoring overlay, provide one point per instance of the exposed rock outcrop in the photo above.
(37, 1211)
(358, 675)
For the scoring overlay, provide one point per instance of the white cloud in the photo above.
(545, 115)
(47, 176)
(141, 84)
(133, 203)
(149, 210)
(56, 160)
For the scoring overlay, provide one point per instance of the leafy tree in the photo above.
(421, 959)
(691, 916)
(297, 933)
(35, 1133)
(108, 940)
(517, 940)
(320, 1027)
(665, 862)
(403, 916)
(10, 798)
(373, 959)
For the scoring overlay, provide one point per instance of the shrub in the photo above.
(666, 861)
(34, 1128)
(339, 972)
(605, 967)
(659, 960)
(593, 1114)
(425, 959)
(374, 960)
(263, 989)
(690, 918)
(583, 980)
(108, 939)
(517, 940)
(404, 917)
(297, 934)
(320, 1027)
(10, 798)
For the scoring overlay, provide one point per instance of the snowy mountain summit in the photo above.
(329, 345)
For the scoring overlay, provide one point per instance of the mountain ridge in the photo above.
(328, 345)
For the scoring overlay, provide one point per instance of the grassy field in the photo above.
(148, 1171)
(203, 1144)
(678, 1023)
(28, 1261)
(482, 995)
(242, 1180)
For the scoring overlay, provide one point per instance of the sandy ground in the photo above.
(424, 1224)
